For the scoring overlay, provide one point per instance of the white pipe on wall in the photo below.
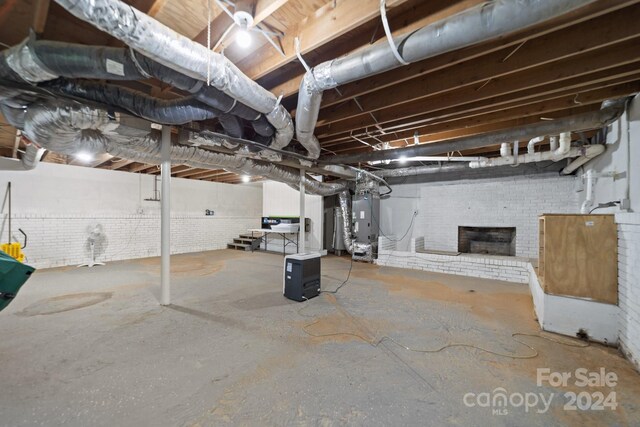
(582, 153)
(505, 149)
(165, 217)
(532, 143)
(591, 152)
(588, 201)
(565, 145)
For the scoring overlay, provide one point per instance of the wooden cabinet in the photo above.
(579, 256)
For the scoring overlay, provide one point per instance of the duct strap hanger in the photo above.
(301, 59)
(387, 31)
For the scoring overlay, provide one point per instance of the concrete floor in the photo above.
(93, 347)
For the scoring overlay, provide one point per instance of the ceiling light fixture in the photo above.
(243, 38)
(246, 178)
(84, 156)
(402, 159)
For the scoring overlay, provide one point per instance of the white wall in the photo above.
(500, 202)
(279, 199)
(623, 157)
(55, 204)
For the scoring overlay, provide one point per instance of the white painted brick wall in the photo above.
(59, 240)
(56, 204)
(505, 202)
(629, 284)
(497, 268)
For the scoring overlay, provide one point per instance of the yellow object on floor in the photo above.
(13, 250)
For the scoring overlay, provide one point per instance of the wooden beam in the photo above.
(290, 87)
(478, 130)
(191, 172)
(576, 41)
(143, 167)
(221, 23)
(327, 24)
(573, 87)
(545, 108)
(119, 164)
(577, 29)
(584, 69)
(485, 78)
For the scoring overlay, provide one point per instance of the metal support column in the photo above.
(302, 236)
(165, 217)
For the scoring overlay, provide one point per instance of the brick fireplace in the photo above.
(487, 240)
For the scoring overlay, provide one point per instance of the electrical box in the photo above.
(301, 279)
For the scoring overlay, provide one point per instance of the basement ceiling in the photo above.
(562, 67)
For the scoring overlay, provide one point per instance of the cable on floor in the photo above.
(452, 345)
(343, 283)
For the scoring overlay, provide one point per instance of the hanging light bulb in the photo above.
(244, 20)
(84, 156)
(246, 178)
(243, 38)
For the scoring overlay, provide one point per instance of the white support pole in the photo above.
(302, 235)
(165, 217)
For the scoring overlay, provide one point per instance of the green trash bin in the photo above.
(13, 274)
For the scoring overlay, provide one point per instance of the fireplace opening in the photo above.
(487, 240)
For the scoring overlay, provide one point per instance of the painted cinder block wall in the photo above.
(56, 205)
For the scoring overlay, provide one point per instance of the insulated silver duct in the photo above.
(345, 207)
(421, 170)
(479, 24)
(30, 159)
(37, 61)
(162, 44)
(70, 128)
(610, 112)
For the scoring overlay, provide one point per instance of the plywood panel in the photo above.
(579, 256)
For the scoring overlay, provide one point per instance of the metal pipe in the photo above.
(585, 121)
(301, 232)
(484, 22)
(165, 217)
